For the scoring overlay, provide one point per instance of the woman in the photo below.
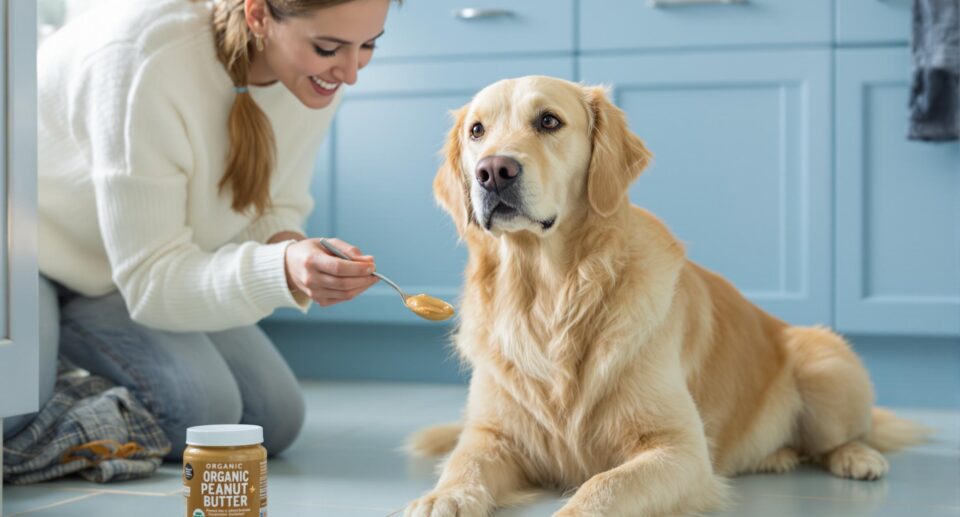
(176, 146)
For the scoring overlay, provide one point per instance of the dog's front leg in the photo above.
(481, 471)
(672, 478)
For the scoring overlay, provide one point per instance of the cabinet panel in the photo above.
(898, 206)
(741, 165)
(19, 356)
(430, 28)
(873, 21)
(374, 179)
(635, 24)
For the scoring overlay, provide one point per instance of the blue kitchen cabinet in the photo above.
(741, 169)
(19, 326)
(373, 184)
(607, 25)
(897, 206)
(443, 28)
(872, 22)
(817, 218)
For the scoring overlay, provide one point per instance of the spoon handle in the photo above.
(333, 249)
(403, 294)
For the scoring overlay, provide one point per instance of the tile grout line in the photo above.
(56, 504)
(117, 491)
(858, 501)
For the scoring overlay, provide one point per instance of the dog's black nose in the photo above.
(496, 173)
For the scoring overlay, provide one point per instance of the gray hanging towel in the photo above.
(935, 92)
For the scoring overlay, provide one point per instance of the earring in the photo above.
(259, 42)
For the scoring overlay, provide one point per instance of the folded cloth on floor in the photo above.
(89, 427)
(935, 91)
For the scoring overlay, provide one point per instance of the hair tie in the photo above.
(241, 89)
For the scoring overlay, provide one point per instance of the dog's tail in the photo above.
(891, 433)
(435, 440)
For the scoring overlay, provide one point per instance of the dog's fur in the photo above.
(605, 361)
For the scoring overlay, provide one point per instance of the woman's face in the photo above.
(314, 54)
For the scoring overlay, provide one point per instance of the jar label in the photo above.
(225, 489)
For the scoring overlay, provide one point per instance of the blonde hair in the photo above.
(252, 155)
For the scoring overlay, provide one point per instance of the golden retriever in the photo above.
(603, 360)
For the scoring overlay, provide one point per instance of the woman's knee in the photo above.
(282, 419)
(272, 397)
(198, 400)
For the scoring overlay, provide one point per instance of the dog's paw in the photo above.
(780, 461)
(455, 502)
(857, 460)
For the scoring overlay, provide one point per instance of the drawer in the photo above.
(628, 24)
(873, 21)
(425, 28)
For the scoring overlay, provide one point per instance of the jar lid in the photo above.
(224, 435)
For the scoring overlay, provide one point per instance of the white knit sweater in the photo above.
(132, 145)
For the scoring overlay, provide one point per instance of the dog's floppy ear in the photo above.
(618, 155)
(450, 186)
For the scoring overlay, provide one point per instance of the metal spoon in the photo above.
(422, 305)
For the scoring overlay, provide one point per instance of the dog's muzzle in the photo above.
(499, 190)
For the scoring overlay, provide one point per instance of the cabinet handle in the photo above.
(681, 3)
(470, 13)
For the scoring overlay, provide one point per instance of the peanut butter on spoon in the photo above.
(428, 307)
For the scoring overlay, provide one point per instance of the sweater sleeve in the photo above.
(141, 163)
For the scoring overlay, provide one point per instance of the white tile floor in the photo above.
(346, 463)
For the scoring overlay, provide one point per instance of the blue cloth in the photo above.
(181, 378)
(935, 90)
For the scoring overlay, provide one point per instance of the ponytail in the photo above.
(253, 149)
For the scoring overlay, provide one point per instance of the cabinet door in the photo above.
(898, 205)
(374, 181)
(741, 170)
(19, 367)
(872, 21)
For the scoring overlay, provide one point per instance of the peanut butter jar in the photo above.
(225, 471)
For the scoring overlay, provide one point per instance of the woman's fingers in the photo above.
(327, 298)
(329, 280)
(341, 283)
(335, 266)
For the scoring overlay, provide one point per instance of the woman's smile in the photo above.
(323, 87)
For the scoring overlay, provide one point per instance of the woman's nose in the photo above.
(346, 69)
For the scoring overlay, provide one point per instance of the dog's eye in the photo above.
(476, 131)
(549, 122)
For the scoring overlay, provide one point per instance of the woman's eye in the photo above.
(550, 122)
(324, 52)
(476, 131)
(370, 46)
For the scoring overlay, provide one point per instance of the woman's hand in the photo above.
(327, 279)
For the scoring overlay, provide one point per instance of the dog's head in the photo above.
(526, 153)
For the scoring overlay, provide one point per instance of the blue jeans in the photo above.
(183, 378)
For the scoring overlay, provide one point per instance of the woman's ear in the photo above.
(618, 155)
(450, 186)
(255, 13)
